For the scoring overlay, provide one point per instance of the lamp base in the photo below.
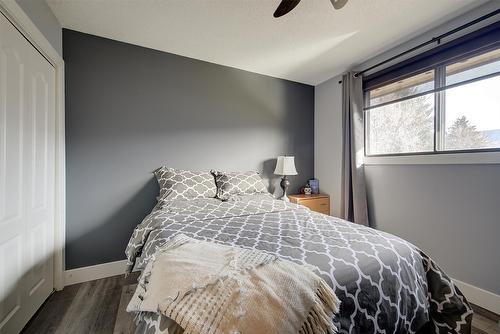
(284, 185)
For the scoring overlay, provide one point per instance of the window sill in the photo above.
(471, 158)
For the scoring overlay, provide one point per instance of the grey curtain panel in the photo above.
(353, 202)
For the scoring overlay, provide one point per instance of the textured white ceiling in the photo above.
(310, 44)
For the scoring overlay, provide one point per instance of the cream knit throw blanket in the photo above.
(211, 288)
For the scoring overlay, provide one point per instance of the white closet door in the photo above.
(27, 172)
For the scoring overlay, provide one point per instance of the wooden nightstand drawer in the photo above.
(318, 203)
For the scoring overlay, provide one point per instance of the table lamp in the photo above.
(285, 165)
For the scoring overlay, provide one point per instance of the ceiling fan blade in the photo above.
(285, 6)
(337, 4)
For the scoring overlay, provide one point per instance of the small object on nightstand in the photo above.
(314, 184)
(319, 203)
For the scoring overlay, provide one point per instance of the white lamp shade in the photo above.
(285, 165)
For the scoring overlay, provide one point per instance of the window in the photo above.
(453, 106)
(401, 120)
(472, 110)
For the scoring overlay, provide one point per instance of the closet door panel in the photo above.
(27, 175)
(11, 141)
(39, 199)
(12, 98)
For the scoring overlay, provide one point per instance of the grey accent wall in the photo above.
(452, 212)
(41, 15)
(130, 110)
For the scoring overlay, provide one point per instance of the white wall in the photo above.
(40, 13)
(429, 205)
(328, 139)
(451, 212)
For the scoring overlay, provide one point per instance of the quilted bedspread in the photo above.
(385, 284)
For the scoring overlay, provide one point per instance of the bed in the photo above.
(385, 284)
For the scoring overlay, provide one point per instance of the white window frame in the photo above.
(469, 158)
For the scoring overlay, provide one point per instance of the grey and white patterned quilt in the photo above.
(385, 284)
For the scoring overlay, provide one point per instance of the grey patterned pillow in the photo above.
(184, 184)
(230, 184)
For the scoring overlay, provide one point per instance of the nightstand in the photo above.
(319, 203)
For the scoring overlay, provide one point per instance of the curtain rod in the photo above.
(432, 40)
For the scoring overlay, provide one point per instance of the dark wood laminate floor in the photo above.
(99, 307)
(91, 307)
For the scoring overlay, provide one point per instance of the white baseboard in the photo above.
(85, 274)
(480, 297)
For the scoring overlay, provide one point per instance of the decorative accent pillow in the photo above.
(237, 183)
(184, 184)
